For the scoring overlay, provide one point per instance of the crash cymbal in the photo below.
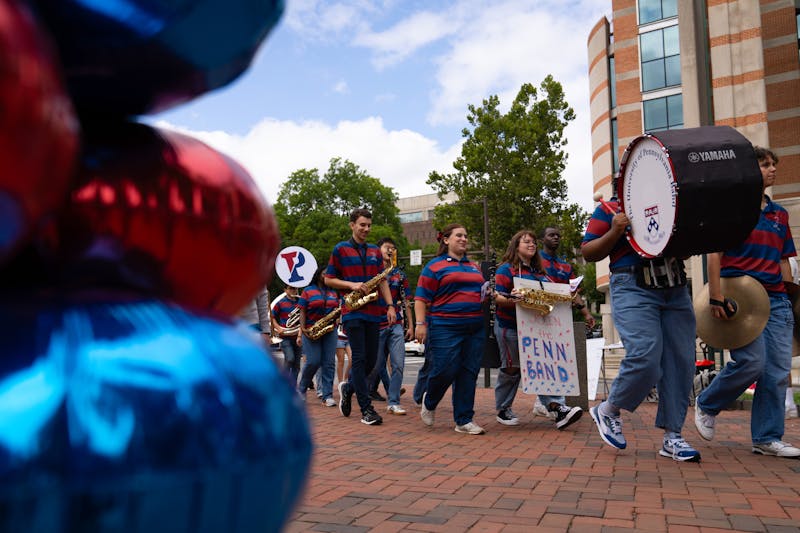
(744, 326)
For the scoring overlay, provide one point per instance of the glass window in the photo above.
(661, 60)
(663, 113)
(405, 218)
(612, 82)
(614, 146)
(652, 10)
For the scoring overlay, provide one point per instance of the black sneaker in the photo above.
(375, 396)
(370, 417)
(345, 397)
(507, 417)
(566, 415)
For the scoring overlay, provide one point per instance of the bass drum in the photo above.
(689, 191)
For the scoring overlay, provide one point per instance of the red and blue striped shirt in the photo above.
(504, 282)
(317, 302)
(761, 253)
(622, 254)
(397, 282)
(452, 288)
(556, 268)
(282, 308)
(355, 262)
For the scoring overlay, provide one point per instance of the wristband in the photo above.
(420, 323)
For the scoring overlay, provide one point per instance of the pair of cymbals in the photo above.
(752, 303)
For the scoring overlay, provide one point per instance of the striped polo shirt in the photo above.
(761, 253)
(317, 302)
(556, 268)
(397, 282)
(621, 254)
(282, 308)
(355, 262)
(504, 282)
(452, 288)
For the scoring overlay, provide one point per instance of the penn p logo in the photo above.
(295, 266)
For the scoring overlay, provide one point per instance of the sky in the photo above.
(386, 85)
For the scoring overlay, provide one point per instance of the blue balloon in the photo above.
(132, 57)
(139, 416)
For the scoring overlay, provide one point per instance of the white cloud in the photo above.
(273, 149)
(403, 39)
(341, 87)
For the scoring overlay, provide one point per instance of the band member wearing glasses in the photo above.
(521, 260)
(657, 328)
(392, 338)
(764, 255)
(448, 301)
(352, 264)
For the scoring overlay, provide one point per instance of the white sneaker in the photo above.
(470, 428)
(396, 410)
(541, 410)
(424, 414)
(704, 423)
(777, 448)
(330, 402)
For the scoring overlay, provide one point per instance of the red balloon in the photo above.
(38, 129)
(169, 215)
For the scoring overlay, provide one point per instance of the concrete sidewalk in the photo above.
(404, 476)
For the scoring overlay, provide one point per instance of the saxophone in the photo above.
(358, 299)
(540, 301)
(324, 325)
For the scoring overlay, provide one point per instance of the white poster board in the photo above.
(594, 358)
(547, 345)
(415, 257)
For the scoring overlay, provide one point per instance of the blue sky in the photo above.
(386, 84)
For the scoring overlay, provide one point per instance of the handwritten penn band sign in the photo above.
(547, 346)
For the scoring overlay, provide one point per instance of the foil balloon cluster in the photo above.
(131, 399)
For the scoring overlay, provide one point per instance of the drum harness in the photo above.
(657, 273)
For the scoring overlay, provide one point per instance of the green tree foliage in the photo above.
(516, 161)
(313, 211)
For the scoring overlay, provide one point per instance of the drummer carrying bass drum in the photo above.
(653, 314)
(764, 255)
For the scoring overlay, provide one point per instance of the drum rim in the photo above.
(623, 163)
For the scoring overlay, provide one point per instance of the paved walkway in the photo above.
(403, 476)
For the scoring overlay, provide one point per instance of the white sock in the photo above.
(608, 409)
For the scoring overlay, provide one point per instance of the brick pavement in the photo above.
(403, 476)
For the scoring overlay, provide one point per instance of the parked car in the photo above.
(415, 348)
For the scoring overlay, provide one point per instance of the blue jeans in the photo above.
(456, 355)
(421, 385)
(363, 338)
(507, 383)
(320, 355)
(657, 328)
(768, 360)
(391, 340)
(291, 355)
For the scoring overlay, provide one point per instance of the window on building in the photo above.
(663, 113)
(653, 10)
(614, 146)
(661, 58)
(405, 218)
(612, 82)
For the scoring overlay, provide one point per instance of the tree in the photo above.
(313, 211)
(516, 161)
